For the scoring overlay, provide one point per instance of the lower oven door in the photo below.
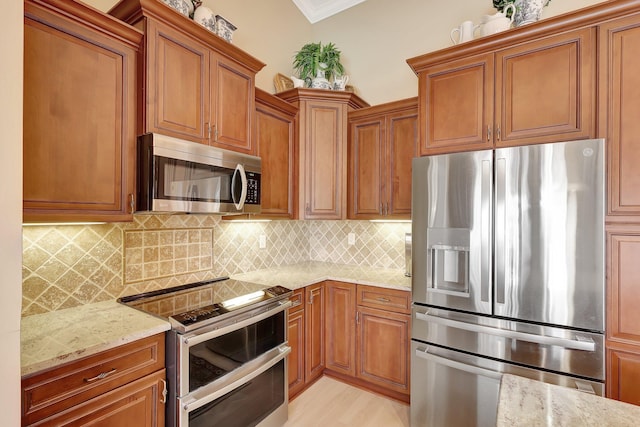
(255, 394)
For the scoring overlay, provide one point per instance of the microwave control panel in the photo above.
(253, 188)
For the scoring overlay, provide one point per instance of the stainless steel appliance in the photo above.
(184, 176)
(507, 276)
(225, 354)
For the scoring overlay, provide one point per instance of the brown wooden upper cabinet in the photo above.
(382, 143)
(197, 86)
(79, 114)
(619, 92)
(276, 144)
(494, 94)
(322, 150)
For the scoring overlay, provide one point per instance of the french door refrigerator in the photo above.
(508, 276)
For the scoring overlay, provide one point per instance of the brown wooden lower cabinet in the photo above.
(135, 404)
(367, 336)
(296, 342)
(383, 349)
(341, 327)
(363, 332)
(623, 375)
(123, 386)
(623, 316)
(314, 325)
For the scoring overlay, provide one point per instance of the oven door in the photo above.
(254, 395)
(209, 354)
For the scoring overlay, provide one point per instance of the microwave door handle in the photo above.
(239, 202)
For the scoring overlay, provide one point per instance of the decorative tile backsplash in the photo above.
(70, 265)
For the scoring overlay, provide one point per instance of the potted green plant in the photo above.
(317, 61)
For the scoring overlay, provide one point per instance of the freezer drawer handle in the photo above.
(580, 343)
(424, 354)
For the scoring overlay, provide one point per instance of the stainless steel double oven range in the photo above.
(225, 353)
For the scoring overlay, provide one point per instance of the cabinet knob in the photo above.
(498, 133)
(488, 133)
(132, 203)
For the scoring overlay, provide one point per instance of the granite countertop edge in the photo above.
(531, 403)
(52, 339)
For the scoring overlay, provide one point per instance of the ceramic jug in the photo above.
(340, 82)
(465, 32)
(492, 24)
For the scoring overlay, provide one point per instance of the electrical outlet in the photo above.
(262, 241)
(351, 239)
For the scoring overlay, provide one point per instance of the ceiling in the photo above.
(317, 10)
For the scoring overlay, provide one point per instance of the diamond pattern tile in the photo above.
(70, 265)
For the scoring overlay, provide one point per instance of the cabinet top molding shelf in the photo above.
(586, 17)
(298, 94)
(132, 12)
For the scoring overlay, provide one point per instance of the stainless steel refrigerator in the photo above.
(508, 276)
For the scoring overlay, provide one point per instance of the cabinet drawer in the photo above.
(60, 388)
(386, 299)
(297, 300)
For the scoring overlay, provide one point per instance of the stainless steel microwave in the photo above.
(183, 176)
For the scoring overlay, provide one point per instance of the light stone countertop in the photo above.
(51, 339)
(530, 403)
(297, 276)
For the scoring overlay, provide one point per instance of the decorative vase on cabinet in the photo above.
(528, 11)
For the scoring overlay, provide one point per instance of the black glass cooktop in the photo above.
(197, 304)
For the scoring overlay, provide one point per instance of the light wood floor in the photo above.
(329, 402)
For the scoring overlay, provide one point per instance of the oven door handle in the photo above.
(233, 380)
(195, 338)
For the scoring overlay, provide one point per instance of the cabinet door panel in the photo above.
(178, 85)
(383, 348)
(340, 327)
(623, 376)
(314, 331)
(545, 90)
(295, 359)
(325, 161)
(135, 404)
(275, 136)
(624, 288)
(79, 122)
(456, 105)
(233, 93)
(402, 131)
(366, 172)
(619, 84)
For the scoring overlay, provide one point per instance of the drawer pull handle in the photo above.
(101, 376)
(383, 299)
(163, 398)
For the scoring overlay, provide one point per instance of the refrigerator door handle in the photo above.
(500, 230)
(425, 354)
(485, 251)
(580, 343)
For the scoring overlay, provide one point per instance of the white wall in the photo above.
(378, 36)
(11, 46)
